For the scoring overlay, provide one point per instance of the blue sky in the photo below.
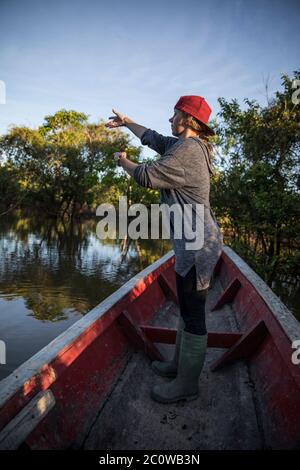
(140, 56)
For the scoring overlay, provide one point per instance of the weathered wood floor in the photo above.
(225, 416)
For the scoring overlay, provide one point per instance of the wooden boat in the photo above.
(90, 387)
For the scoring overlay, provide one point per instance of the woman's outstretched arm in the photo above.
(121, 120)
(157, 142)
(137, 129)
(165, 173)
(129, 166)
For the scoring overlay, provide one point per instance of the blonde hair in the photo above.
(201, 130)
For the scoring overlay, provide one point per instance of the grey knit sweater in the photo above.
(183, 176)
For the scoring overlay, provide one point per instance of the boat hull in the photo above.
(83, 365)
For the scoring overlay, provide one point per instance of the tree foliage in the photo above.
(66, 165)
(257, 193)
(60, 165)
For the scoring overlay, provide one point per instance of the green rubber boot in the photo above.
(169, 369)
(191, 360)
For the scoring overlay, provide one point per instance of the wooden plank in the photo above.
(244, 347)
(228, 294)
(281, 313)
(38, 364)
(157, 334)
(19, 428)
(218, 266)
(216, 339)
(137, 337)
(167, 288)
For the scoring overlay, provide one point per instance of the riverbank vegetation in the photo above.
(64, 168)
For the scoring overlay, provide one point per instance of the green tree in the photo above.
(257, 193)
(60, 163)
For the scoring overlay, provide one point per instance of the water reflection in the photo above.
(52, 273)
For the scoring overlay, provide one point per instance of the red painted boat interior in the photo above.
(82, 374)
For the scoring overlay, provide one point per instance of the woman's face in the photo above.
(177, 122)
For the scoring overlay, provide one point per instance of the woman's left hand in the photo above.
(119, 156)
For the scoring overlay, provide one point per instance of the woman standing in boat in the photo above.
(183, 176)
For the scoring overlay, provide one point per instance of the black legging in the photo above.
(191, 303)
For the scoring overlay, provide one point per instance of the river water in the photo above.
(51, 274)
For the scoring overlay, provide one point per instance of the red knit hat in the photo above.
(197, 107)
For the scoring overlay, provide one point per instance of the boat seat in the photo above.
(19, 428)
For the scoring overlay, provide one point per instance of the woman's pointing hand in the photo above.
(117, 121)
